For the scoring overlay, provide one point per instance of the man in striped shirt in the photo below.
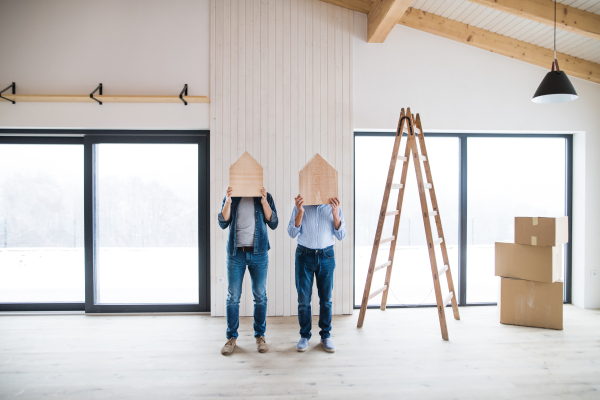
(315, 226)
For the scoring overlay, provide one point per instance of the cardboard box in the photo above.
(542, 231)
(529, 303)
(534, 263)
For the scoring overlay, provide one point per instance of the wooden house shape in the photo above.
(246, 177)
(318, 181)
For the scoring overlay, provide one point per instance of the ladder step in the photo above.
(402, 158)
(382, 241)
(422, 157)
(415, 129)
(428, 185)
(382, 266)
(438, 241)
(448, 298)
(442, 270)
(375, 293)
(389, 213)
(433, 213)
(397, 186)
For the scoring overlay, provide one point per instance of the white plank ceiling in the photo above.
(519, 28)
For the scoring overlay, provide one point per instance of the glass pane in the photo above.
(147, 216)
(41, 223)
(411, 281)
(507, 177)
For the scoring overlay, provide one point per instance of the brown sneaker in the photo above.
(228, 348)
(261, 344)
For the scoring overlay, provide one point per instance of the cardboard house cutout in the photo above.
(318, 181)
(246, 177)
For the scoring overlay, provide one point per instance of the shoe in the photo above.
(302, 344)
(328, 345)
(228, 348)
(261, 344)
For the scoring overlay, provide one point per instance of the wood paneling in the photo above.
(281, 76)
(382, 18)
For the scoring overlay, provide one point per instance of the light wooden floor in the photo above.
(398, 354)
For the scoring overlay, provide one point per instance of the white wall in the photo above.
(459, 88)
(133, 47)
(281, 89)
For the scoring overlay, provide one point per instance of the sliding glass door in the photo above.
(106, 221)
(482, 182)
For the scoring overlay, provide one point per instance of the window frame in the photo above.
(90, 138)
(463, 201)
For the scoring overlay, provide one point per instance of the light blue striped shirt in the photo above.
(316, 230)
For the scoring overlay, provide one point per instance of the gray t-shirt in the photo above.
(245, 222)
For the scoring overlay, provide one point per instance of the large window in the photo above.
(41, 223)
(482, 182)
(104, 221)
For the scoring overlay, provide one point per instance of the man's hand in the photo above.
(335, 206)
(226, 211)
(299, 202)
(263, 198)
(335, 211)
(265, 204)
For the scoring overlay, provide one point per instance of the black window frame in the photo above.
(463, 201)
(89, 138)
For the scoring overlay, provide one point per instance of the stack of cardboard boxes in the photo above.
(531, 271)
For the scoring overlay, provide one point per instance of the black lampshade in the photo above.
(555, 88)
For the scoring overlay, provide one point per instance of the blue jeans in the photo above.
(258, 265)
(311, 263)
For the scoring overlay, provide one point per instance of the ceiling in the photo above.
(519, 28)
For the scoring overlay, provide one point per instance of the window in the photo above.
(411, 283)
(482, 182)
(147, 216)
(507, 177)
(41, 223)
(104, 221)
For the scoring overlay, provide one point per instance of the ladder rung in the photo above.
(442, 270)
(382, 241)
(422, 157)
(448, 298)
(397, 186)
(402, 158)
(389, 213)
(432, 213)
(417, 130)
(428, 185)
(382, 266)
(375, 293)
(437, 241)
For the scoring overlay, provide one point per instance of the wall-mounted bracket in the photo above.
(99, 88)
(184, 91)
(13, 86)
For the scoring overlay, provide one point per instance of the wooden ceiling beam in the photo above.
(382, 17)
(362, 6)
(567, 18)
(499, 44)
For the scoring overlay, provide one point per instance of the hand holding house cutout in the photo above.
(318, 182)
(246, 177)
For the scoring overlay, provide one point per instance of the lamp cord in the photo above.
(555, 29)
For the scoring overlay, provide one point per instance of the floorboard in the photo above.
(397, 354)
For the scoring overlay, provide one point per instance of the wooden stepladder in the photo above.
(416, 145)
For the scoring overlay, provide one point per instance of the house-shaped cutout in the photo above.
(318, 181)
(246, 177)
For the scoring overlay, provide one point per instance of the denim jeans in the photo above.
(311, 264)
(258, 265)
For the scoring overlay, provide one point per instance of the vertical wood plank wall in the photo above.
(281, 89)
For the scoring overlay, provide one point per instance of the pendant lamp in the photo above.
(556, 86)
